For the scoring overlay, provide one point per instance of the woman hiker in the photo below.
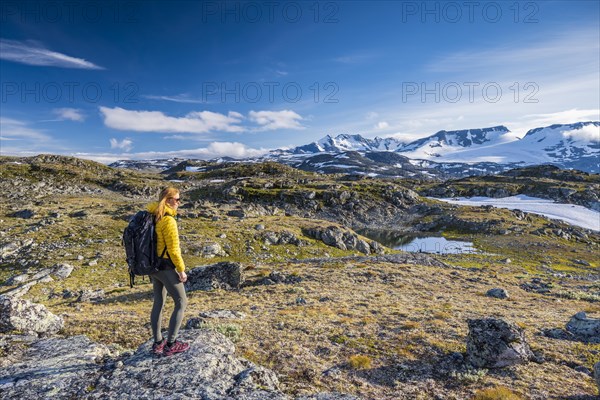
(171, 275)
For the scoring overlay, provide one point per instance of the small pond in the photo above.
(419, 244)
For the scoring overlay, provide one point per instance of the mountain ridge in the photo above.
(451, 153)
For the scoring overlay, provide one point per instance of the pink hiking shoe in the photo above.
(177, 347)
(158, 348)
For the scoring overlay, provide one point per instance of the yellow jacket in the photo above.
(168, 235)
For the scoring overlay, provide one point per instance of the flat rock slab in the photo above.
(53, 368)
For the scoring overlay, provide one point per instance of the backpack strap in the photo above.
(165, 250)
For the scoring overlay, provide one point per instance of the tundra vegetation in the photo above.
(348, 319)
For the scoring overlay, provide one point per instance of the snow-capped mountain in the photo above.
(345, 142)
(565, 145)
(147, 165)
(443, 154)
(447, 142)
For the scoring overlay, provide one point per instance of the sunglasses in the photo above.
(178, 200)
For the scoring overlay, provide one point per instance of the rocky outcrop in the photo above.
(278, 238)
(75, 367)
(584, 327)
(342, 239)
(274, 278)
(209, 370)
(494, 343)
(22, 315)
(223, 275)
(24, 282)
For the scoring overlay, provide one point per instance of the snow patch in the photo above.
(569, 213)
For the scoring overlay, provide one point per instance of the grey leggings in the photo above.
(163, 282)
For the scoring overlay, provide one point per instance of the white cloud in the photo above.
(543, 55)
(125, 144)
(372, 115)
(12, 129)
(19, 138)
(271, 120)
(156, 121)
(32, 53)
(179, 98)
(563, 117)
(589, 133)
(72, 114)
(213, 150)
(231, 149)
(382, 125)
(355, 58)
(198, 121)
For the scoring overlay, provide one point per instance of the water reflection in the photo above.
(419, 244)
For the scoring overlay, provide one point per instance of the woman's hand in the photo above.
(182, 276)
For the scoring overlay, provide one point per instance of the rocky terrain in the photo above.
(286, 299)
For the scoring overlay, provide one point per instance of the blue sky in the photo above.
(111, 80)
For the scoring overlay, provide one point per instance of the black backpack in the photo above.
(139, 239)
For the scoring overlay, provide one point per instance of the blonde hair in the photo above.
(165, 194)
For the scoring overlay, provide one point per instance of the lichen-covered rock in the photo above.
(91, 296)
(223, 314)
(62, 271)
(494, 343)
(582, 326)
(208, 370)
(25, 316)
(212, 249)
(75, 367)
(53, 368)
(17, 279)
(497, 293)
(340, 238)
(223, 275)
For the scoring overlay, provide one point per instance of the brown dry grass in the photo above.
(395, 317)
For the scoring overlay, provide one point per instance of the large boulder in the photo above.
(494, 343)
(54, 368)
(223, 275)
(25, 316)
(584, 327)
